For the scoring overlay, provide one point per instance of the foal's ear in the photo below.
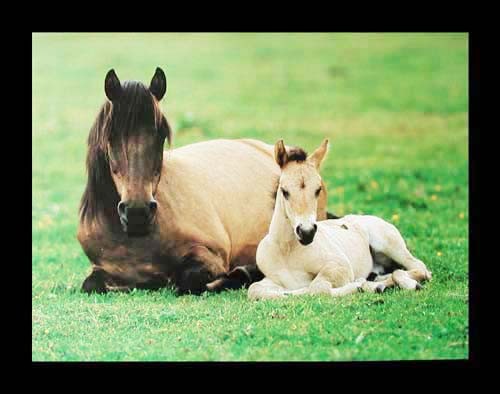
(319, 154)
(158, 85)
(112, 85)
(280, 153)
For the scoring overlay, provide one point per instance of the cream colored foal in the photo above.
(302, 256)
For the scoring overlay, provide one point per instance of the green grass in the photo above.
(395, 108)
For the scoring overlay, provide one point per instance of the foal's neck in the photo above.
(280, 230)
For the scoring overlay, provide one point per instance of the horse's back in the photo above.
(232, 182)
(217, 146)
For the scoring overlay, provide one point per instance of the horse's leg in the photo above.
(197, 269)
(237, 278)
(100, 281)
(95, 282)
(386, 238)
(265, 289)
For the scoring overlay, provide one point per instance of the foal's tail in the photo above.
(241, 276)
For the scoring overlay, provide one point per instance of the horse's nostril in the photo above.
(153, 205)
(298, 230)
(122, 208)
(315, 227)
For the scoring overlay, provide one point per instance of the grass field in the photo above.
(395, 108)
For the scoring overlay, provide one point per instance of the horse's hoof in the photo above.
(380, 289)
(418, 286)
(94, 283)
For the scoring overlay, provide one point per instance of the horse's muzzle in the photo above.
(137, 221)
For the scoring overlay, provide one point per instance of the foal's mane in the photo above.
(296, 154)
(122, 118)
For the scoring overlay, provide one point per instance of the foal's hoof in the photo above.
(418, 286)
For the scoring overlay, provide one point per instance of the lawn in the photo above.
(395, 107)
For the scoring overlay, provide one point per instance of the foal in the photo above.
(302, 256)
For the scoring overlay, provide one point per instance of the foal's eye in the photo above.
(285, 193)
(318, 191)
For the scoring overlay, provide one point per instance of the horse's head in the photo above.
(134, 147)
(299, 187)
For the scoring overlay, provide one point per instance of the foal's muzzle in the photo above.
(306, 236)
(136, 219)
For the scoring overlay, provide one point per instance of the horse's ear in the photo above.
(158, 85)
(112, 85)
(319, 154)
(280, 153)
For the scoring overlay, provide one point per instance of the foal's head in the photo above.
(299, 187)
(127, 143)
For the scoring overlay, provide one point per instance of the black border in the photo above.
(474, 260)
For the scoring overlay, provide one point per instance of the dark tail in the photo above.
(237, 278)
(332, 216)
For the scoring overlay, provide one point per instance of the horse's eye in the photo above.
(113, 165)
(285, 193)
(318, 191)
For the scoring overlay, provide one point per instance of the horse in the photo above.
(186, 217)
(300, 255)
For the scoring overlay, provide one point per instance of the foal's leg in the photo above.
(333, 280)
(409, 279)
(265, 289)
(405, 279)
(386, 238)
(326, 288)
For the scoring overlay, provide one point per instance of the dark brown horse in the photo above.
(192, 216)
